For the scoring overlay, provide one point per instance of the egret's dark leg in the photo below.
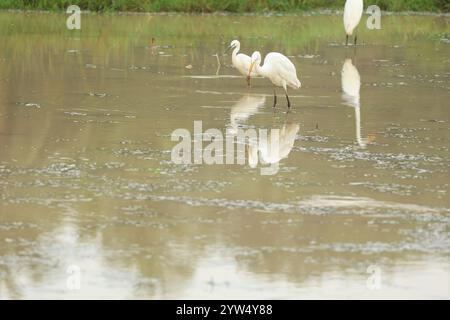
(274, 98)
(356, 38)
(288, 102)
(346, 41)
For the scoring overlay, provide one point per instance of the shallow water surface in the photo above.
(87, 182)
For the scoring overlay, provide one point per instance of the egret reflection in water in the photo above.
(351, 86)
(273, 149)
(264, 150)
(244, 108)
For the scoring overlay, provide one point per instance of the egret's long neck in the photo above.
(235, 52)
(262, 70)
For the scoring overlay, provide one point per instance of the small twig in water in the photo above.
(218, 63)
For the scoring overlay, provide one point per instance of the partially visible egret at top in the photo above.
(240, 61)
(278, 69)
(351, 85)
(352, 16)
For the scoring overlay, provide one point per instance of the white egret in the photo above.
(351, 85)
(352, 16)
(241, 61)
(278, 69)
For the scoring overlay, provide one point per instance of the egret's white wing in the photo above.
(284, 68)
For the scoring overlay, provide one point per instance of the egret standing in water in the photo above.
(241, 61)
(352, 16)
(278, 69)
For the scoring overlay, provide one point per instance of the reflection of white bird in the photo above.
(352, 16)
(278, 69)
(274, 151)
(241, 61)
(246, 106)
(351, 85)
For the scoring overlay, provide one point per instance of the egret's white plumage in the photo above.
(352, 16)
(351, 85)
(278, 69)
(240, 61)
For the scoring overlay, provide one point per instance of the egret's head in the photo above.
(256, 59)
(234, 44)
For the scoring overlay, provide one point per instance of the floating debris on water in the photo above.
(29, 105)
(73, 113)
(308, 56)
(99, 95)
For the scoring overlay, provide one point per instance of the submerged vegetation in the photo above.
(238, 6)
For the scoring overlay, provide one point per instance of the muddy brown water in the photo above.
(87, 183)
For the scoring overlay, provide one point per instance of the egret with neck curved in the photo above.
(279, 70)
(241, 61)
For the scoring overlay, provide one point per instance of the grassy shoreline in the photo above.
(313, 12)
(227, 6)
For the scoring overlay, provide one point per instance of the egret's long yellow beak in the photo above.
(250, 72)
(252, 65)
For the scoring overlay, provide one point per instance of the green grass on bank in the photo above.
(238, 6)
